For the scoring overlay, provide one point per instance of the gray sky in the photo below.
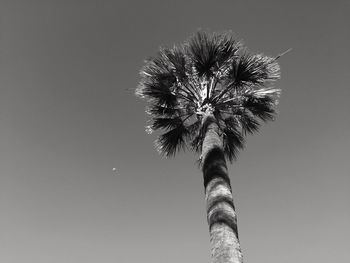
(68, 116)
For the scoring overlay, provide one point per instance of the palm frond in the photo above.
(172, 141)
(166, 123)
(162, 110)
(210, 52)
(233, 142)
(262, 108)
(255, 69)
(156, 91)
(248, 123)
(176, 61)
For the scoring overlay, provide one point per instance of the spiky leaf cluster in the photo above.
(208, 74)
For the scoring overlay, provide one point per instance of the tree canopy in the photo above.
(208, 74)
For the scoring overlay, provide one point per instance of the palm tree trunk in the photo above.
(221, 215)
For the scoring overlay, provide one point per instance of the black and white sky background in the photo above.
(68, 115)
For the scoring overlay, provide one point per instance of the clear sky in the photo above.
(68, 115)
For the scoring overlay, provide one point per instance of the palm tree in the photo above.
(206, 95)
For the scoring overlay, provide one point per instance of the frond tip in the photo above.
(208, 74)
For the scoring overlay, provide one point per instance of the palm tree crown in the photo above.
(210, 74)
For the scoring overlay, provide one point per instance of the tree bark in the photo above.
(221, 215)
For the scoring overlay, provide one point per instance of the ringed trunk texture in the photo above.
(221, 215)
